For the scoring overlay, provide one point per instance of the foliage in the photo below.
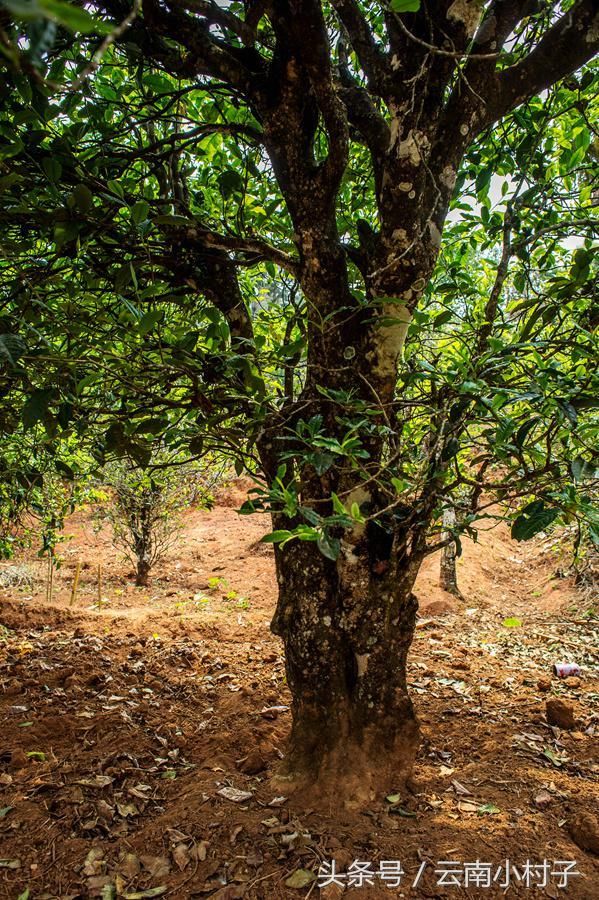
(79, 183)
(146, 505)
(38, 489)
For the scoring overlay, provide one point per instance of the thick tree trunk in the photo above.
(347, 632)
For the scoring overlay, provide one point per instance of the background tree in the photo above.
(448, 576)
(148, 502)
(149, 172)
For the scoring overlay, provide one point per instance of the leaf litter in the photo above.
(131, 736)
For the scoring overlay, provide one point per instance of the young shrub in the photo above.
(146, 506)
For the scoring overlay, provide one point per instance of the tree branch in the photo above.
(210, 56)
(313, 48)
(371, 57)
(361, 110)
(246, 245)
(219, 16)
(492, 304)
(572, 41)
(215, 275)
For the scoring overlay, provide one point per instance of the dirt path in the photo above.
(121, 723)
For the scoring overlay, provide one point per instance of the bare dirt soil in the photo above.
(131, 720)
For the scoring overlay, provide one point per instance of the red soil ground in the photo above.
(122, 722)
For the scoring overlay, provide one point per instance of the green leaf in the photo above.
(5, 811)
(569, 411)
(152, 426)
(401, 6)
(552, 757)
(114, 438)
(512, 622)
(52, 168)
(400, 484)
(83, 197)
(488, 809)
(338, 506)
(116, 189)
(404, 813)
(171, 220)
(71, 17)
(533, 519)
(301, 878)
(321, 461)
(7, 151)
(230, 181)
(36, 407)
(443, 318)
(310, 515)
(10, 863)
(141, 452)
(356, 513)
(523, 431)
(583, 470)
(275, 537)
(149, 321)
(140, 212)
(196, 447)
(36, 754)
(7, 181)
(450, 449)
(12, 347)
(329, 547)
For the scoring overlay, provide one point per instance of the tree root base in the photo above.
(350, 777)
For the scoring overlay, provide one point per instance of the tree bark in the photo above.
(142, 526)
(142, 571)
(448, 578)
(347, 627)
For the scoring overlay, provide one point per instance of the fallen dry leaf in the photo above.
(234, 794)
